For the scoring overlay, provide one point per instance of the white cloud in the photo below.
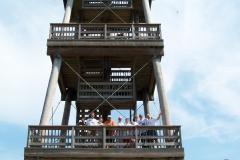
(196, 125)
(25, 66)
(201, 66)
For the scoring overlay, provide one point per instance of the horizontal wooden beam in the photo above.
(105, 90)
(104, 153)
(117, 104)
(99, 51)
(100, 43)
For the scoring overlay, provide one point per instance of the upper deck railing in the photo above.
(103, 31)
(101, 4)
(106, 89)
(104, 137)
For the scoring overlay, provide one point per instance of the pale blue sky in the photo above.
(201, 70)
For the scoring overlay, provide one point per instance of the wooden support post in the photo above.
(68, 11)
(105, 31)
(146, 101)
(136, 16)
(135, 111)
(104, 137)
(130, 115)
(158, 74)
(52, 84)
(133, 32)
(146, 9)
(166, 120)
(77, 114)
(136, 137)
(79, 31)
(72, 139)
(67, 109)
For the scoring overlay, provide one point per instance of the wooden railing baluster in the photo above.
(52, 135)
(104, 31)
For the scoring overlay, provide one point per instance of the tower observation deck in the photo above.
(106, 56)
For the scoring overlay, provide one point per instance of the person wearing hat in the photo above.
(109, 122)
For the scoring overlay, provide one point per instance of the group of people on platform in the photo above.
(147, 121)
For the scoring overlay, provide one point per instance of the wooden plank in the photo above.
(103, 51)
(101, 42)
(106, 83)
(91, 69)
(104, 90)
(92, 75)
(104, 153)
(105, 96)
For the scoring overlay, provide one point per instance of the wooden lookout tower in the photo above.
(106, 55)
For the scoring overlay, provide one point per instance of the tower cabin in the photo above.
(106, 56)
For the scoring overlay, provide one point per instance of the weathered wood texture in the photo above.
(93, 65)
(78, 142)
(117, 31)
(85, 48)
(113, 4)
(109, 154)
(79, 44)
(86, 15)
(104, 51)
(52, 84)
(49, 136)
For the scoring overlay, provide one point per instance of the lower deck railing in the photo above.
(104, 137)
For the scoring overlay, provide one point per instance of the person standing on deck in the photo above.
(100, 132)
(142, 132)
(119, 132)
(92, 122)
(127, 133)
(151, 121)
(110, 122)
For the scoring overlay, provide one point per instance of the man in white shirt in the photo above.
(151, 121)
(141, 122)
(141, 119)
(135, 121)
(92, 121)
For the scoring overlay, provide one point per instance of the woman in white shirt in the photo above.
(119, 132)
(127, 133)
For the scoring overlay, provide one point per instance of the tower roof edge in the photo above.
(65, 2)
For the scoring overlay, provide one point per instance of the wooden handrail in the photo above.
(113, 4)
(106, 89)
(113, 31)
(91, 136)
